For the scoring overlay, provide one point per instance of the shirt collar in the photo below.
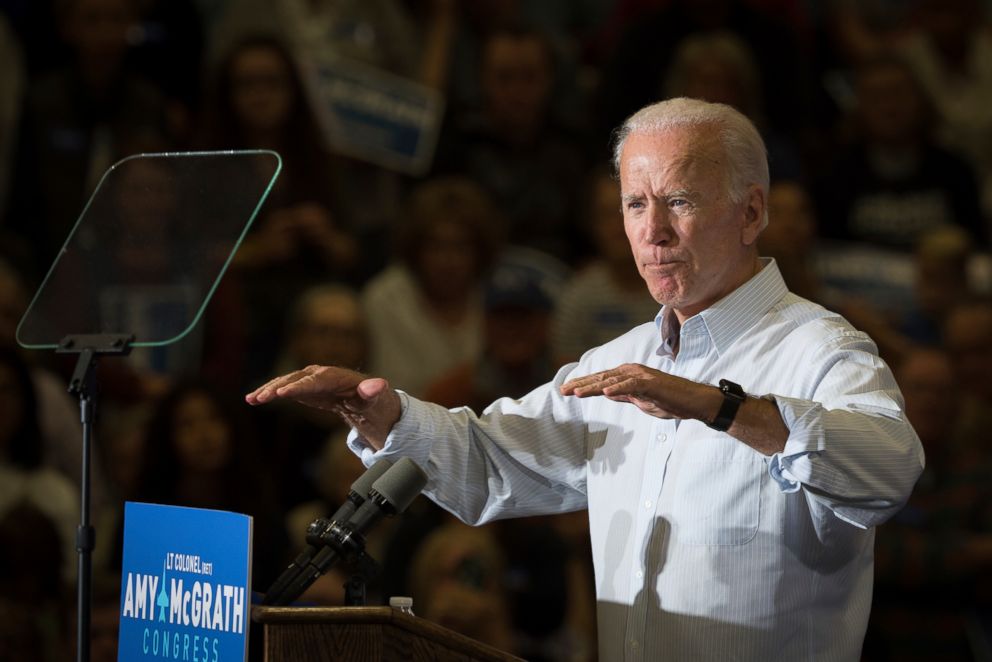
(728, 319)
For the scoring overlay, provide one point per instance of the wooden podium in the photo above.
(363, 634)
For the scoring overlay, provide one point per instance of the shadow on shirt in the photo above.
(709, 584)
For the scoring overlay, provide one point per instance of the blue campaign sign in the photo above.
(373, 115)
(185, 584)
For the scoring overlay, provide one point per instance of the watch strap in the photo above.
(733, 396)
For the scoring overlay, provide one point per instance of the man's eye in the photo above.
(678, 202)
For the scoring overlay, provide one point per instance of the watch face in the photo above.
(730, 389)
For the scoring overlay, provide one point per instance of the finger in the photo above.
(267, 391)
(599, 385)
(322, 386)
(623, 385)
(619, 382)
(602, 377)
(307, 384)
(587, 390)
(569, 387)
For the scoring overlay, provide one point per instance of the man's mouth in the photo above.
(662, 266)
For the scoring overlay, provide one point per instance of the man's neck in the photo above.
(748, 271)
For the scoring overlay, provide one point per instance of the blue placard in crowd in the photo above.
(373, 115)
(185, 584)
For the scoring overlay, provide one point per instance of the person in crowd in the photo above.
(939, 275)
(720, 67)
(425, 311)
(893, 182)
(375, 33)
(940, 285)
(33, 614)
(516, 147)
(646, 46)
(326, 326)
(299, 239)
(199, 452)
(105, 620)
(58, 415)
(24, 477)
(933, 558)
(168, 38)
(76, 122)
(790, 238)
(967, 335)
(11, 98)
(948, 46)
(519, 300)
(121, 448)
(550, 595)
(457, 582)
(721, 516)
(606, 296)
(386, 43)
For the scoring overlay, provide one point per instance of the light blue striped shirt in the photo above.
(704, 549)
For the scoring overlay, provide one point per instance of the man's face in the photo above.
(448, 262)
(926, 379)
(516, 76)
(202, 436)
(891, 107)
(261, 89)
(332, 333)
(608, 233)
(792, 231)
(692, 245)
(97, 29)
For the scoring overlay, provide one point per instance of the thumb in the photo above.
(370, 389)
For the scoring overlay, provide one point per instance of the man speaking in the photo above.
(734, 454)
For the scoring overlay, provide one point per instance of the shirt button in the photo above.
(662, 438)
(639, 574)
(647, 504)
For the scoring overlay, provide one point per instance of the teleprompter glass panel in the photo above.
(150, 247)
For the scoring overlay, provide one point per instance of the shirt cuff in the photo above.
(402, 439)
(795, 464)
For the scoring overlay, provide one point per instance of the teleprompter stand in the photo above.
(83, 385)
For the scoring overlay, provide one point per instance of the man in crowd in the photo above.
(734, 454)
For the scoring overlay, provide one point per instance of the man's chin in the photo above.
(665, 291)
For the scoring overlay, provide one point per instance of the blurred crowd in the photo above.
(482, 275)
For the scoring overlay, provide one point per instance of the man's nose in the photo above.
(658, 226)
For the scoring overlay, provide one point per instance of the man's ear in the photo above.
(754, 215)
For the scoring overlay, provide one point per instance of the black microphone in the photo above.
(390, 494)
(317, 529)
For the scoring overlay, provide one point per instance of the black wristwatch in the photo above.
(733, 396)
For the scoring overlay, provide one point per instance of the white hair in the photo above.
(747, 159)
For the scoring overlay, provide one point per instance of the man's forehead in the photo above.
(679, 152)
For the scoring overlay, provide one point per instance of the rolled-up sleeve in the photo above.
(850, 444)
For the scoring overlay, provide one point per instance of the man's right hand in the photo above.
(367, 404)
